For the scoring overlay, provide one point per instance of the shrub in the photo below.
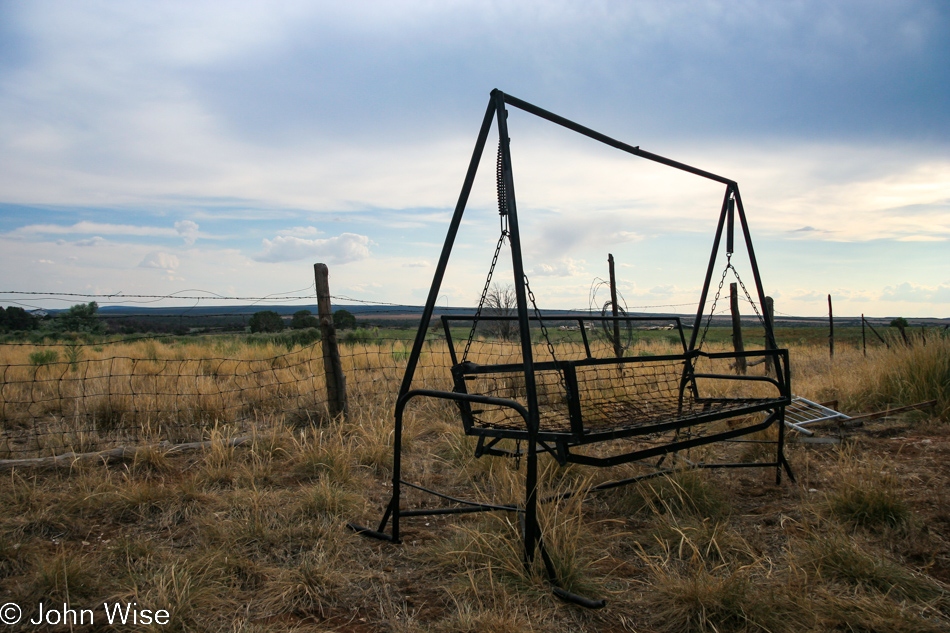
(361, 336)
(73, 355)
(45, 357)
(15, 318)
(80, 318)
(343, 320)
(266, 321)
(304, 319)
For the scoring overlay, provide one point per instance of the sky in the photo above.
(220, 149)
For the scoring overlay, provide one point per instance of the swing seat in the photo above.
(654, 399)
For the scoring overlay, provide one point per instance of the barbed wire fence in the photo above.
(66, 393)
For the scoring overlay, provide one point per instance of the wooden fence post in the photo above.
(332, 365)
(831, 331)
(737, 343)
(864, 339)
(900, 328)
(618, 350)
(770, 320)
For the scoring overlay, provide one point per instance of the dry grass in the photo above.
(253, 537)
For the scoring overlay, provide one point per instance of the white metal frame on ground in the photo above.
(802, 411)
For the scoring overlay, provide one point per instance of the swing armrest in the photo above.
(778, 356)
(460, 397)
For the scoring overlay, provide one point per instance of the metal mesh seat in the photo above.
(591, 399)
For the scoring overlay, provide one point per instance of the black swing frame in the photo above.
(560, 445)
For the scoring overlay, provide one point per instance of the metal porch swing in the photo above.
(578, 403)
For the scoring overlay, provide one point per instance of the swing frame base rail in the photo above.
(533, 539)
(557, 590)
(530, 529)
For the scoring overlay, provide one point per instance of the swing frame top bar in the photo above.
(603, 138)
(496, 110)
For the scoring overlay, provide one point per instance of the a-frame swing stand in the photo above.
(661, 396)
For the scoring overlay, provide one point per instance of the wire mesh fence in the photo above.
(86, 394)
(81, 398)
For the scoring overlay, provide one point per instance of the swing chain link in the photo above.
(748, 297)
(547, 339)
(485, 290)
(712, 311)
(722, 281)
(544, 329)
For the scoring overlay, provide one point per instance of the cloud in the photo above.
(301, 231)
(118, 122)
(345, 248)
(371, 287)
(664, 290)
(923, 238)
(917, 294)
(185, 228)
(567, 267)
(160, 260)
(188, 230)
(805, 295)
(92, 241)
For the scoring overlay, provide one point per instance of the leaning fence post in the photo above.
(864, 340)
(831, 331)
(900, 328)
(770, 324)
(332, 365)
(618, 350)
(737, 343)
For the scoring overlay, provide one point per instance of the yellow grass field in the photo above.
(251, 536)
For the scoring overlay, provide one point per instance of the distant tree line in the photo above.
(270, 321)
(85, 318)
(79, 318)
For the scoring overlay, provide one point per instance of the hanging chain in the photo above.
(503, 219)
(748, 297)
(537, 312)
(722, 280)
(481, 301)
(547, 339)
(735, 273)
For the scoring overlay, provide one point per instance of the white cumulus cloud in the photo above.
(160, 260)
(92, 241)
(188, 230)
(567, 267)
(916, 293)
(344, 248)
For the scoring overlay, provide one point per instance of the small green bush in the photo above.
(44, 357)
(360, 336)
